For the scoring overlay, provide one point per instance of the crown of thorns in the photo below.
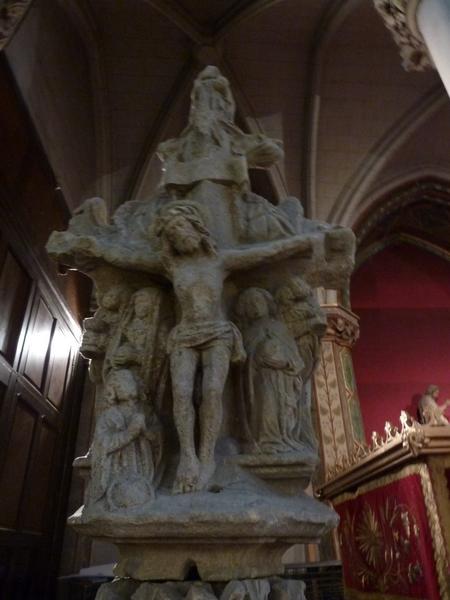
(190, 211)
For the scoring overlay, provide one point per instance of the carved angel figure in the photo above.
(273, 382)
(126, 448)
(432, 413)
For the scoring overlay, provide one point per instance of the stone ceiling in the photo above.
(105, 81)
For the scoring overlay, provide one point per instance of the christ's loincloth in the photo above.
(208, 335)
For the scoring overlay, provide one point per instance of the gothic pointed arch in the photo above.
(417, 213)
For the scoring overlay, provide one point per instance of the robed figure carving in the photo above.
(212, 147)
(304, 319)
(126, 449)
(139, 340)
(273, 382)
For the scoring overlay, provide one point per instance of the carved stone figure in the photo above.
(126, 449)
(273, 380)
(197, 269)
(260, 220)
(304, 319)
(167, 359)
(99, 329)
(432, 413)
(140, 339)
(212, 147)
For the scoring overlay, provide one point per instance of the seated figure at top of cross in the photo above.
(212, 147)
(203, 336)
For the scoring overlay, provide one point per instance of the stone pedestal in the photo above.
(238, 528)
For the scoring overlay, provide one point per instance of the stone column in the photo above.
(338, 410)
(421, 28)
(433, 22)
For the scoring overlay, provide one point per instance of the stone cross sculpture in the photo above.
(202, 350)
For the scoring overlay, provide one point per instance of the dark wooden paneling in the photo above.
(17, 458)
(60, 355)
(3, 388)
(39, 327)
(14, 135)
(38, 344)
(5, 563)
(15, 286)
(36, 502)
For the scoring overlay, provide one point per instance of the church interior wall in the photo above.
(402, 297)
(51, 69)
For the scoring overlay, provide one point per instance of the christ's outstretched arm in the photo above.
(136, 258)
(246, 258)
(74, 250)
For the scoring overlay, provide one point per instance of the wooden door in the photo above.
(37, 364)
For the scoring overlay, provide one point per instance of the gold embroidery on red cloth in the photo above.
(439, 550)
(382, 545)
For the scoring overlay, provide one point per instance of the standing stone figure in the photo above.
(139, 340)
(432, 413)
(306, 322)
(304, 319)
(273, 382)
(99, 329)
(126, 449)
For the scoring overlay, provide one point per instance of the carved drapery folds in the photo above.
(11, 14)
(282, 342)
(202, 350)
(399, 18)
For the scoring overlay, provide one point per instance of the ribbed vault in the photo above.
(322, 75)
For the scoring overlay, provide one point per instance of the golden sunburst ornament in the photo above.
(369, 537)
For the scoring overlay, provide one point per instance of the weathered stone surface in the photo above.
(202, 348)
(246, 589)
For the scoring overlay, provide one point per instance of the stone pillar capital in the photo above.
(400, 17)
(342, 326)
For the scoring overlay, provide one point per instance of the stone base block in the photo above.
(213, 561)
(287, 473)
(245, 589)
